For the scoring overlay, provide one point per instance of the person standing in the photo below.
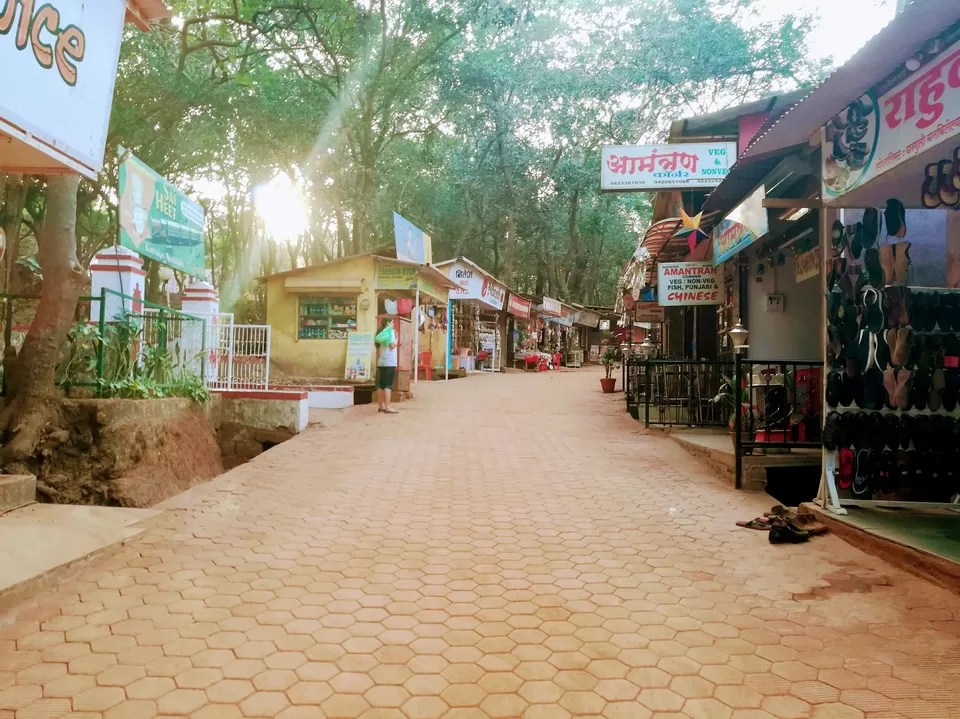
(386, 365)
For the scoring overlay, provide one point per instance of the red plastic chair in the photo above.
(425, 364)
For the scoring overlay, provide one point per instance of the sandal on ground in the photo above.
(809, 523)
(758, 524)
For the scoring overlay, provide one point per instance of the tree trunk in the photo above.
(11, 220)
(510, 251)
(34, 405)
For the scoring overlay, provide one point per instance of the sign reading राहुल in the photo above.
(674, 166)
(688, 283)
(873, 136)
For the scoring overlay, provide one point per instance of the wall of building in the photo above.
(793, 333)
(316, 358)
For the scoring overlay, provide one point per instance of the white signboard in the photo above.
(59, 63)
(873, 136)
(688, 283)
(473, 284)
(666, 167)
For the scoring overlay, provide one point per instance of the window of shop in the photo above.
(327, 318)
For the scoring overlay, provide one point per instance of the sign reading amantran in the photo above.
(688, 283)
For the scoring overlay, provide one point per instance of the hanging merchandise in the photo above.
(894, 376)
(390, 307)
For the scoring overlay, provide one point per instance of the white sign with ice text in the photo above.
(58, 61)
(688, 283)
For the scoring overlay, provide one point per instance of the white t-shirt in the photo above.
(388, 357)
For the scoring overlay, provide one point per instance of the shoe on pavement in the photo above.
(786, 534)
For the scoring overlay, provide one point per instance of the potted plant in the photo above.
(609, 360)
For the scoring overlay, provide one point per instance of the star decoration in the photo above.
(691, 229)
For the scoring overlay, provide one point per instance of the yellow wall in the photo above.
(316, 358)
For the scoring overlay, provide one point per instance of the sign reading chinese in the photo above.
(359, 354)
(873, 136)
(159, 221)
(808, 264)
(648, 312)
(741, 228)
(396, 277)
(472, 283)
(519, 307)
(59, 64)
(665, 167)
(688, 283)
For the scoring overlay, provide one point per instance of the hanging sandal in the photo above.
(895, 218)
(904, 344)
(846, 463)
(887, 262)
(870, 226)
(904, 385)
(949, 195)
(930, 190)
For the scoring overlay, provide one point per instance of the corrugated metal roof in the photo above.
(880, 56)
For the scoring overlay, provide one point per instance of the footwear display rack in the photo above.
(892, 432)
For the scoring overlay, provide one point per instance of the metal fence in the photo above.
(780, 407)
(683, 392)
(239, 357)
(119, 341)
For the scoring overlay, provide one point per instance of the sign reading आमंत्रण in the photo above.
(159, 221)
(59, 65)
(688, 283)
(873, 136)
(664, 167)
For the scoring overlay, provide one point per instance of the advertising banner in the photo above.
(474, 284)
(550, 306)
(666, 167)
(689, 283)
(519, 307)
(396, 277)
(808, 265)
(873, 135)
(159, 221)
(409, 240)
(649, 312)
(359, 364)
(594, 355)
(741, 228)
(59, 65)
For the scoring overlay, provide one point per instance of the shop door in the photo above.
(404, 329)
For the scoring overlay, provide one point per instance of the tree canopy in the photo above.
(481, 121)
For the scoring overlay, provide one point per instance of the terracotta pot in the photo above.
(608, 384)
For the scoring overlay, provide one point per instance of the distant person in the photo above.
(386, 365)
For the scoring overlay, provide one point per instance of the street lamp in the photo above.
(647, 349)
(738, 335)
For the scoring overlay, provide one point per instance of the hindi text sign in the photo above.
(665, 167)
(920, 112)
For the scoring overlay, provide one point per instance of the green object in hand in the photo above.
(385, 337)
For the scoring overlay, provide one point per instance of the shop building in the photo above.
(871, 164)
(479, 316)
(324, 318)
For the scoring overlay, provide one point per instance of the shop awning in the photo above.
(588, 318)
(549, 307)
(470, 282)
(883, 54)
(143, 12)
(519, 306)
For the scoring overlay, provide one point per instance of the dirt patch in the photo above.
(129, 453)
(845, 583)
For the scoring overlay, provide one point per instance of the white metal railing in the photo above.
(239, 357)
(230, 356)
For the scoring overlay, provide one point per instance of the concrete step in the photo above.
(17, 491)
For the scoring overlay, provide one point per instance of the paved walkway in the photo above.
(509, 546)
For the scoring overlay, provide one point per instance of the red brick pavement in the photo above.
(509, 546)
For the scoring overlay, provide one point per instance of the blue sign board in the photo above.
(409, 240)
